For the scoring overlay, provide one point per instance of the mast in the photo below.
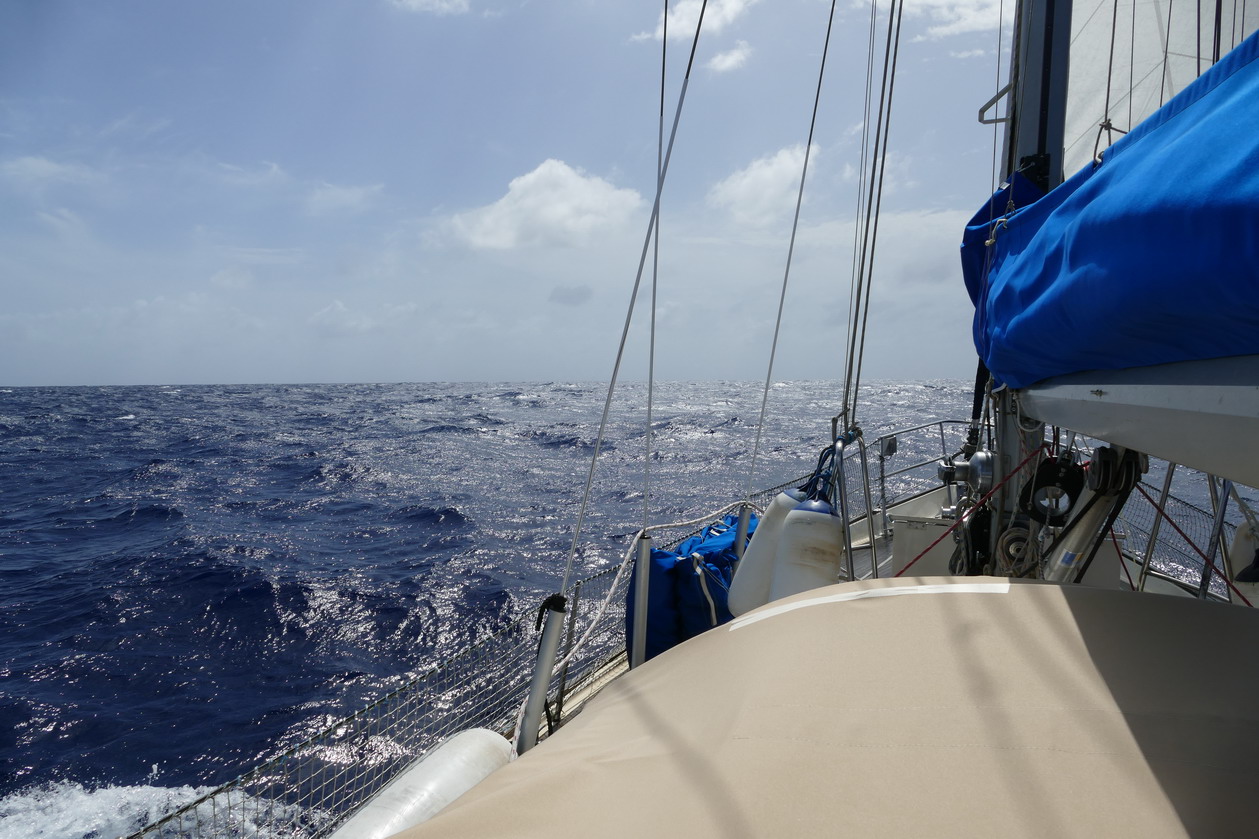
(1039, 66)
(1033, 146)
(1183, 410)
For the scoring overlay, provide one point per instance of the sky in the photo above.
(459, 190)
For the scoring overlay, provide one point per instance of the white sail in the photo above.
(1129, 57)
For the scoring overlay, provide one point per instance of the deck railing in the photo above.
(311, 788)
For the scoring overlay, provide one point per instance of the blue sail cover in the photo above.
(687, 587)
(1151, 257)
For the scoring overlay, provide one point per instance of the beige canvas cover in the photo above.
(933, 707)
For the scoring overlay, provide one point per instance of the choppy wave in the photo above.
(184, 591)
(70, 809)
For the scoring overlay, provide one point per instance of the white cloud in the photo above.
(684, 15)
(554, 204)
(967, 53)
(955, 17)
(267, 173)
(437, 7)
(64, 223)
(234, 278)
(327, 199)
(763, 191)
(132, 126)
(264, 256)
(730, 59)
(36, 172)
(898, 172)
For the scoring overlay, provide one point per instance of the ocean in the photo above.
(196, 576)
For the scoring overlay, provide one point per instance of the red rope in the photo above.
(1191, 544)
(962, 518)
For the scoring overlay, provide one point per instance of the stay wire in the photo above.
(655, 273)
(1110, 71)
(874, 203)
(629, 314)
(996, 175)
(791, 245)
(1132, 57)
(864, 214)
(996, 126)
(1167, 45)
(864, 168)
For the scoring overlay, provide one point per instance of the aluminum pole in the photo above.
(1217, 530)
(865, 485)
(642, 571)
(552, 612)
(741, 534)
(842, 496)
(1158, 523)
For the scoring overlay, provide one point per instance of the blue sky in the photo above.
(404, 190)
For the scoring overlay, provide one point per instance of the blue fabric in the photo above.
(1018, 192)
(1151, 257)
(677, 608)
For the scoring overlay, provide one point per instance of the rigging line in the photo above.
(1110, 70)
(1215, 41)
(1132, 57)
(993, 177)
(964, 517)
(795, 224)
(629, 314)
(864, 167)
(859, 280)
(878, 205)
(1018, 89)
(861, 181)
(996, 126)
(655, 272)
(1159, 511)
(1198, 45)
(996, 140)
(1167, 45)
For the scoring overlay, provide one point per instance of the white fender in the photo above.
(810, 550)
(750, 586)
(437, 779)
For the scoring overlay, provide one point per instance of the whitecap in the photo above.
(68, 810)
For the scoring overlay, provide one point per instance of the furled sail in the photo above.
(1150, 257)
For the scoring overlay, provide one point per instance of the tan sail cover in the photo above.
(933, 707)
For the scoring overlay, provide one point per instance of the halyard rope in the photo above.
(978, 505)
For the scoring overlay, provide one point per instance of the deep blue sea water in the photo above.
(192, 577)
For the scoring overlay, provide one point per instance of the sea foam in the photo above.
(69, 810)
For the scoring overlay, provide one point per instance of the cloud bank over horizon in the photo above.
(457, 190)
